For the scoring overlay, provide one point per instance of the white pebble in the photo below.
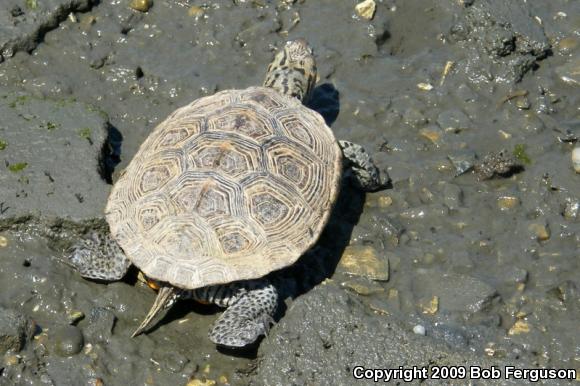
(366, 9)
(419, 330)
(576, 159)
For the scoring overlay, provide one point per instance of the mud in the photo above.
(489, 268)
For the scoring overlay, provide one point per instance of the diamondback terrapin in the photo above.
(224, 191)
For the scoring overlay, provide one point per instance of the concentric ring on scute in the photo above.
(230, 187)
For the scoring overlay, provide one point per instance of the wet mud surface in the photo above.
(481, 258)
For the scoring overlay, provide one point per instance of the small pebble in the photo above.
(75, 316)
(462, 162)
(141, 5)
(363, 261)
(425, 86)
(542, 232)
(385, 201)
(497, 164)
(379, 306)
(519, 327)
(195, 11)
(67, 340)
(199, 382)
(419, 330)
(431, 307)
(362, 288)
(3, 242)
(432, 133)
(567, 45)
(523, 103)
(175, 362)
(366, 9)
(569, 73)
(576, 159)
(507, 202)
(87, 22)
(11, 360)
(571, 209)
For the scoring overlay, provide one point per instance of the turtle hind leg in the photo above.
(361, 168)
(247, 318)
(99, 257)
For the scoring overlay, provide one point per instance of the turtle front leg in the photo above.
(99, 257)
(360, 167)
(248, 316)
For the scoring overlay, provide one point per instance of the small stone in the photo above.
(223, 380)
(540, 231)
(567, 45)
(379, 306)
(453, 121)
(450, 292)
(419, 330)
(431, 307)
(523, 103)
(576, 159)
(571, 209)
(462, 162)
(497, 164)
(514, 275)
(362, 260)
(75, 316)
(67, 341)
(393, 299)
(504, 134)
(452, 196)
(414, 117)
(425, 86)
(175, 362)
(87, 22)
(199, 382)
(195, 11)
(97, 382)
(362, 288)
(432, 133)
(507, 202)
(11, 360)
(519, 327)
(385, 201)
(101, 322)
(141, 5)
(15, 330)
(570, 72)
(366, 9)
(381, 202)
(3, 242)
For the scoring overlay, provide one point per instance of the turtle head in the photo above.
(293, 70)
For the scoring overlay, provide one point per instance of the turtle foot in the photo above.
(361, 168)
(247, 319)
(99, 257)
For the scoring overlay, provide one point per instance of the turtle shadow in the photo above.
(110, 155)
(325, 100)
(320, 262)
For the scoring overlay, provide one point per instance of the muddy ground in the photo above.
(488, 268)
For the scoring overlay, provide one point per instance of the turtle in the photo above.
(226, 190)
